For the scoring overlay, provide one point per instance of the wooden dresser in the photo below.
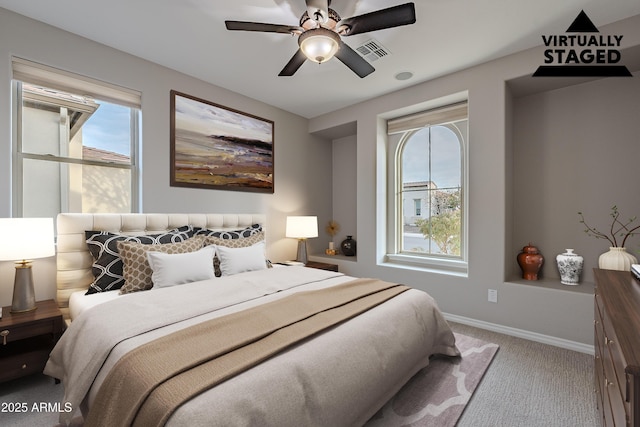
(617, 347)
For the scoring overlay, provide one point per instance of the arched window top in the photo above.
(442, 145)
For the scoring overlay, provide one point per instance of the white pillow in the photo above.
(238, 260)
(177, 269)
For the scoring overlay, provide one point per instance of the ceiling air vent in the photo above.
(372, 50)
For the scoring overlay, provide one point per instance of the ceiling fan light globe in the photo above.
(319, 45)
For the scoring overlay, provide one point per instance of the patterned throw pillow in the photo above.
(137, 271)
(237, 234)
(107, 264)
(243, 242)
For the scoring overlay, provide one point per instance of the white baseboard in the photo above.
(521, 333)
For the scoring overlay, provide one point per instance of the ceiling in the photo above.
(190, 36)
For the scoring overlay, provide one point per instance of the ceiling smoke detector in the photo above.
(404, 75)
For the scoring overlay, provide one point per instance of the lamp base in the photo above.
(302, 251)
(24, 297)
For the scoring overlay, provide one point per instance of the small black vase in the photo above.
(348, 247)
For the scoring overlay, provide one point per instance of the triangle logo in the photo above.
(582, 24)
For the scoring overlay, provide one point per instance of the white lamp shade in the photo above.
(26, 238)
(302, 227)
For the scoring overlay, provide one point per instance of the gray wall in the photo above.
(503, 128)
(344, 178)
(575, 149)
(300, 158)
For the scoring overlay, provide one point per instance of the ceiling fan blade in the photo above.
(294, 63)
(263, 28)
(395, 16)
(351, 59)
(318, 10)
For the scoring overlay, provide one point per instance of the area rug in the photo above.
(437, 395)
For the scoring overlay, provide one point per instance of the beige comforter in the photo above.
(340, 377)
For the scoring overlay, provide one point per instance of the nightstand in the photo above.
(322, 266)
(26, 339)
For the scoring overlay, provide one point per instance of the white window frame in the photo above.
(25, 71)
(399, 131)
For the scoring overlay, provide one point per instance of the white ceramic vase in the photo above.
(617, 259)
(570, 267)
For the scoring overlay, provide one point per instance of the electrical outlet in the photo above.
(493, 295)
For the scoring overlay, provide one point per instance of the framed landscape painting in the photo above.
(220, 148)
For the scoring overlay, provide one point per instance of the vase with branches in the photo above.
(617, 235)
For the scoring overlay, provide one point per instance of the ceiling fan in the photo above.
(321, 30)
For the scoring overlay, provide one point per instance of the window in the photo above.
(75, 144)
(417, 206)
(426, 201)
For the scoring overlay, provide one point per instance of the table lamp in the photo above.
(22, 240)
(302, 228)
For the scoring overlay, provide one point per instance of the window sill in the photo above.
(430, 265)
(551, 283)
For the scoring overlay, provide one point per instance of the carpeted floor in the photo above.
(531, 385)
(527, 385)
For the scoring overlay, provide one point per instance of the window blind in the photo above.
(65, 81)
(436, 116)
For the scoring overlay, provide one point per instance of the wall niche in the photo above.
(571, 149)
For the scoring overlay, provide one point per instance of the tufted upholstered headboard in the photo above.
(74, 261)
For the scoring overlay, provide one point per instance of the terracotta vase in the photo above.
(530, 261)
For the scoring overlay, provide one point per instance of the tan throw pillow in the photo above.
(137, 272)
(243, 242)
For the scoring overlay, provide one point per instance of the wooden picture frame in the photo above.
(217, 147)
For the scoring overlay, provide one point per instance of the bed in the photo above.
(339, 373)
